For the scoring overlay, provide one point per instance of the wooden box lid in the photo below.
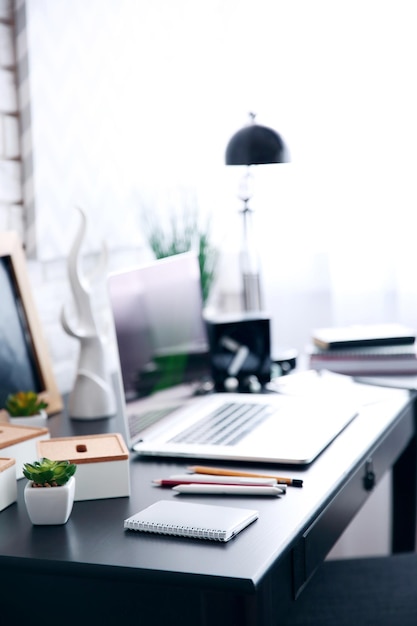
(88, 449)
(6, 463)
(10, 435)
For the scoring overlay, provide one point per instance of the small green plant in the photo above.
(24, 404)
(182, 232)
(47, 473)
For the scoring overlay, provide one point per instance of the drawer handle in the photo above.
(369, 478)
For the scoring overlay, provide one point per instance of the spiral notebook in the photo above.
(188, 519)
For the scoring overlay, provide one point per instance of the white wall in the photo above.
(125, 100)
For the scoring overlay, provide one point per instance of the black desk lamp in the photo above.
(252, 145)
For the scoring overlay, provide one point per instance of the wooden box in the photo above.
(102, 464)
(19, 443)
(8, 482)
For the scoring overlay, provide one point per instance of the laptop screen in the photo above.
(158, 318)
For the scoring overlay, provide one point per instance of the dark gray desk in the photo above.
(91, 571)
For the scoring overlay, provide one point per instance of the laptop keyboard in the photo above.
(140, 421)
(225, 426)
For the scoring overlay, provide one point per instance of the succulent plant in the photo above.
(47, 473)
(24, 404)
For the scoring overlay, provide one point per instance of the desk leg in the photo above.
(404, 500)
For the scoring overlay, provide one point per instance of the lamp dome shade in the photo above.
(255, 144)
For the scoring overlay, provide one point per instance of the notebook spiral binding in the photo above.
(180, 531)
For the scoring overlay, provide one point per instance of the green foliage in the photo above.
(47, 473)
(207, 257)
(183, 233)
(24, 403)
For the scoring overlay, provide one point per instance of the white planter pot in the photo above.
(49, 505)
(37, 421)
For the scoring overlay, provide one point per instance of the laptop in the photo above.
(170, 409)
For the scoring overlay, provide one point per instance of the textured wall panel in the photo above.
(69, 125)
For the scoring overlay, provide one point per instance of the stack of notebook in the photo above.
(388, 349)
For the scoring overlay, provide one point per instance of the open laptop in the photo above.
(164, 369)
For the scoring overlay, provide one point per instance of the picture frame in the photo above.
(25, 363)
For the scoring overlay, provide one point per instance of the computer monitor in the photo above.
(158, 318)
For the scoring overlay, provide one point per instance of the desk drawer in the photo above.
(322, 534)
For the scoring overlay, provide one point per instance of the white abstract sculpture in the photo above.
(92, 396)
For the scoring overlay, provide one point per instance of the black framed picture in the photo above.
(24, 359)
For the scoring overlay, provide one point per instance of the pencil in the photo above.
(200, 469)
(216, 480)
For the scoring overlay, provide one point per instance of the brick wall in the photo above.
(48, 279)
(11, 207)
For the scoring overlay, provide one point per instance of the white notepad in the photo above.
(187, 519)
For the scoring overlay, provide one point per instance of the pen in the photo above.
(237, 490)
(199, 469)
(222, 479)
(190, 479)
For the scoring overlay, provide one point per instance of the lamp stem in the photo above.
(249, 262)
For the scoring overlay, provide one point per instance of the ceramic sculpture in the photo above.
(92, 395)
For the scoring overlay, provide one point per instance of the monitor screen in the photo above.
(159, 326)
